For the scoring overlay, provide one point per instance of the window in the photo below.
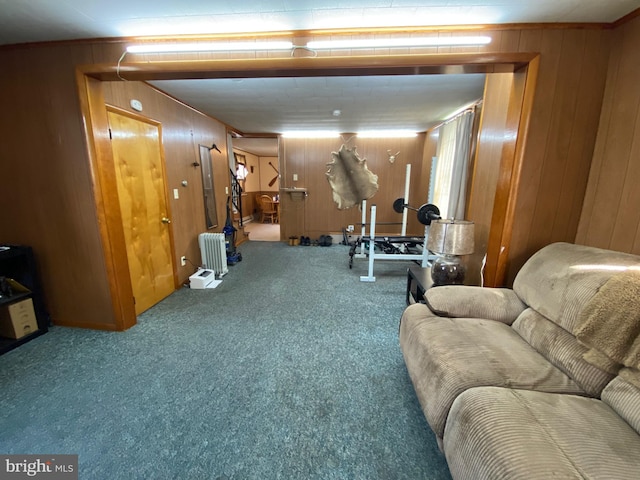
(449, 177)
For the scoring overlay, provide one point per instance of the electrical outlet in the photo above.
(183, 261)
(350, 228)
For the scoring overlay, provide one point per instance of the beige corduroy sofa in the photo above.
(537, 381)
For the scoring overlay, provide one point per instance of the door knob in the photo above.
(165, 220)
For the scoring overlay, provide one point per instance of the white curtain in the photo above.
(451, 172)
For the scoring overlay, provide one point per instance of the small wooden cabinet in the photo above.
(418, 281)
(17, 262)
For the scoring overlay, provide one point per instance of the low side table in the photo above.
(418, 281)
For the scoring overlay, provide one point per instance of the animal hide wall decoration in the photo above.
(350, 179)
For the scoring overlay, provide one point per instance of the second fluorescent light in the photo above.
(387, 134)
(311, 134)
(207, 47)
(399, 42)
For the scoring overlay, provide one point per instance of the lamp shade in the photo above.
(451, 237)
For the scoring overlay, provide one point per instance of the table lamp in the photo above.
(450, 239)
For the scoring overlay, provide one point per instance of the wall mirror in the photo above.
(210, 213)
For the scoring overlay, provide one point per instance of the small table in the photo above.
(418, 281)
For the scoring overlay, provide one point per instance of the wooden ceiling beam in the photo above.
(416, 64)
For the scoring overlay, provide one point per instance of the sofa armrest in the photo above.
(499, 304)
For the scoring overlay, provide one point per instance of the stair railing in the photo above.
(236, 194)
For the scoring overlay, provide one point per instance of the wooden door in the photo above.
(139, 168)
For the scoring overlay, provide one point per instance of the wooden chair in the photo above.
(269, 210)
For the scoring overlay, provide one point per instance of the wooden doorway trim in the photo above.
(93, 108)
(328, 66)
(516, 130)
(96, 125)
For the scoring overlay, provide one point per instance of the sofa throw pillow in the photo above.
(610, 323)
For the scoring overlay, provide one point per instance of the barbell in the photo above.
(426, 213)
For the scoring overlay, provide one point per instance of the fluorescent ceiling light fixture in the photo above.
(311, 134)
(208, 47)
(387, 134)
(399, 42)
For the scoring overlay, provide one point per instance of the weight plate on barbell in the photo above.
(398, 205)
(427, 213)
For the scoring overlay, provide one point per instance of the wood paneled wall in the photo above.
(611, 213)
(318, 214)
(47, 183)
(566, 108)
(268, 171)
(46, 171)
(184, 130)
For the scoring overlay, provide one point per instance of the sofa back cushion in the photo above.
(562, 349)
(623, 395)
(561, 278)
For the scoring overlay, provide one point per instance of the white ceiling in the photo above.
(44, 20)
(266, 105)
(278, 104)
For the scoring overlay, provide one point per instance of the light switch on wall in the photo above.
(295, 177)
(176, 194)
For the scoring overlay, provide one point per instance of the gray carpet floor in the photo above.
(290, 369)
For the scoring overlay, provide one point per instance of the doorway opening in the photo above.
(519, 93)
(257, 161)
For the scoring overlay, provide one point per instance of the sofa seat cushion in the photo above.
(623, 395)
(498, 433)
(446, 356)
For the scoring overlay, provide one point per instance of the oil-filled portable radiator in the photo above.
(213, 252)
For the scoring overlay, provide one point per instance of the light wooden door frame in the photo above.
(92, 105)
(96, 125)
(151, 264)
(513, 149)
